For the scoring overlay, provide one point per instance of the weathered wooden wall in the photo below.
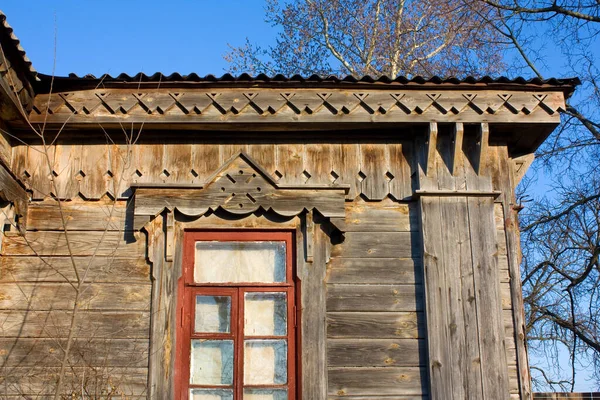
(378, 319)
(375, 323)
(37, 297)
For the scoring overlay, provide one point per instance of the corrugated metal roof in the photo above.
(176, 77)
(16, 44)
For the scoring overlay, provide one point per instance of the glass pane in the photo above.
(265, 362)
(213, 314)
(265, 314)
(211, 394)
(221, 262)
(265, 394)
(211, 362)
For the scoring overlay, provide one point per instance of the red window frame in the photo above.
(188, 289)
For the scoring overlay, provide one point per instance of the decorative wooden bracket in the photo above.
(240, 187)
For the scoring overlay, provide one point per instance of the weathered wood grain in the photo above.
(374, 270)
(25, 352)
(61, 296)
(39, 382)
(60, 269)
(83, 216)
(374, 298)
(436, 299)
(376, 353)
(385, 216)
(373, 165)
(90, 324)
(379, 381)
(382, 245)
(487, 286)
(55, 244)
(94, 161)
(313, 303)
(394, 325)
(400, 185)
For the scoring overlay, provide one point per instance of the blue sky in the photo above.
(132, 36)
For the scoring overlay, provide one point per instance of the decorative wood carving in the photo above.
(241, 187)
(267, 105)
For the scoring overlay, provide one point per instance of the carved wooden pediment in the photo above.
(241, 187)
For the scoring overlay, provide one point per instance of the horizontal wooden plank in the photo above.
(405, 325)
(61, 296)
(38, 382)
(376, 353)
(89, 324)
(377, 381)
(381, 245)
(23, 352)
(385, 216)
(374, 297)
(82, 216)
(376, 397)
(374, 270)
(116, 244)
(60, 269)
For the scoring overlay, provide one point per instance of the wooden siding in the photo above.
(376, 344)
(36, 302)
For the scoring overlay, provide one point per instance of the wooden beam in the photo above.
(521, 165)
(431, 144)
(481, 146)
(457, 154)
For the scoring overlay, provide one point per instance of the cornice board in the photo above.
(295, 106)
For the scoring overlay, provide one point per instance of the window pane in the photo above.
(213, 314)
(211, 362)
(265, 314)
(221, 262)
(211, 394)
(265, 362)
(265, 394)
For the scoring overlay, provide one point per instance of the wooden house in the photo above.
(186, 237)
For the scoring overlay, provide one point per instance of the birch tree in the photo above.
(373, 37)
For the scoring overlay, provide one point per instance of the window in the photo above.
(238, 322)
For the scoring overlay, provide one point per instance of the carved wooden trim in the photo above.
(267, 105)
(241, 187)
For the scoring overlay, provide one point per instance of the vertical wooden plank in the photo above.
(121, 170)
(400, 186)
(373, 167)
(290, 163)
(494, 368)
(349, 167)
(313, 326)
(148, 162)
(94, 168)
(67, 167)
(19, 164)
(38, 168)
(443, 159)
(177, 163)
(436, 301)
(205, 161)
(513, 245)
(462, 310)
(317, 163)
(227, 151)
(264, 155)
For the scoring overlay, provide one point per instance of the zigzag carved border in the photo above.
(263, 105)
